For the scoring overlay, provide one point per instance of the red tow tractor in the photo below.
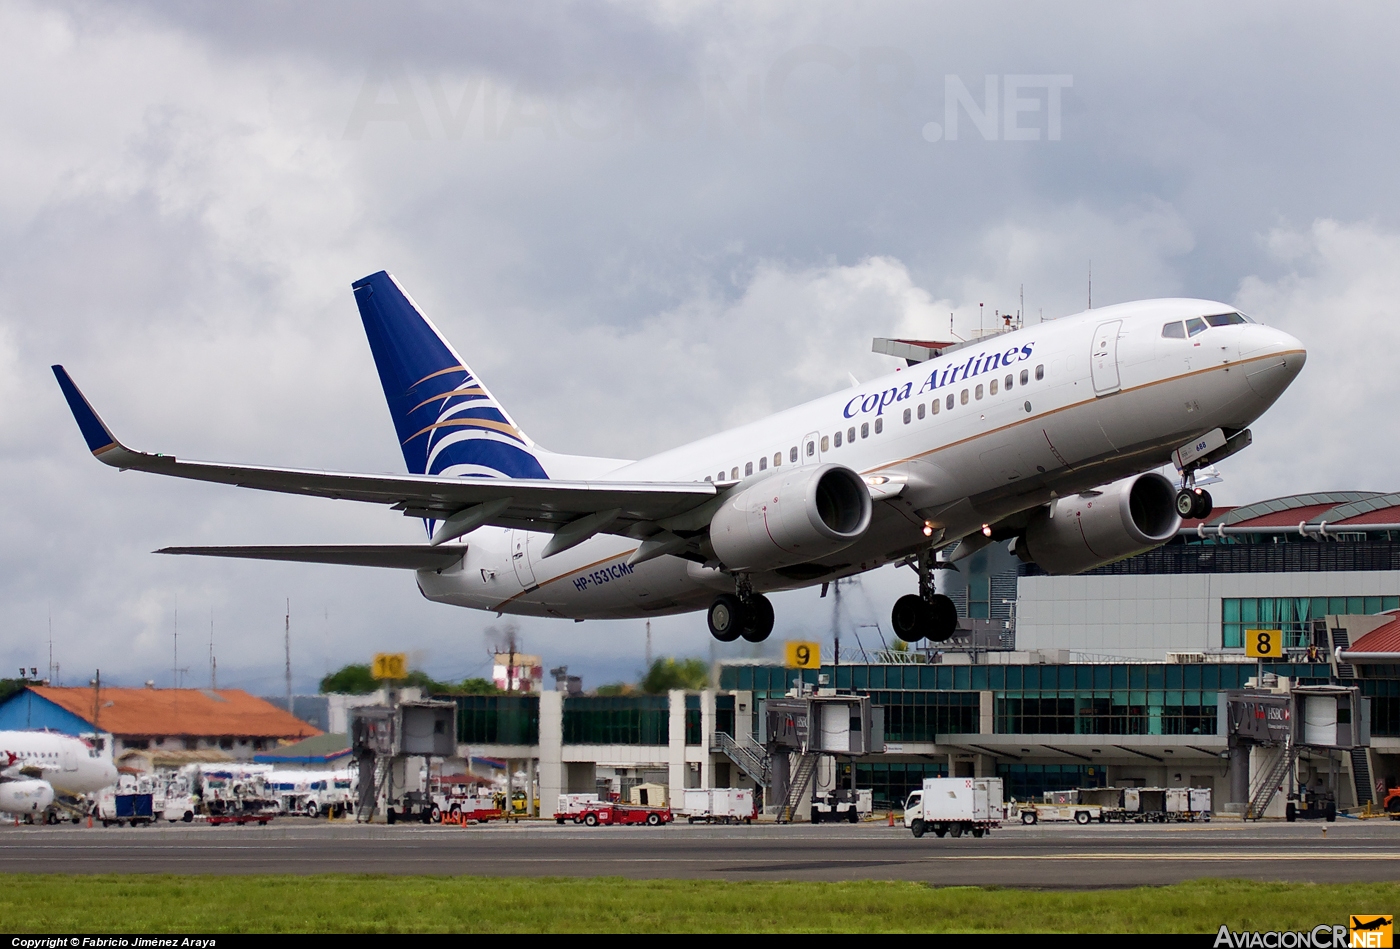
(595, 815)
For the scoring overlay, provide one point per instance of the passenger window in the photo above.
(979, 392)
(908, 415)
(734, 475)
(838, 439)
(1224, 319)
(949, 400)
(1039, 372)
(992, 387)
(879, 425)
(935, 405)
(811, 449)
(826, 443)
(1174, 331)
(963, 397)
(864, 429)
(1194, 326)
(720, 476)
(763, 463)
(1025, 376)
(921, 409)
(1007, 383)
(777, 459)
(707, 478)
(748, 469)
(792, 454)
(850, 434)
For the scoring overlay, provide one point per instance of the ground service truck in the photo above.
(955, 806)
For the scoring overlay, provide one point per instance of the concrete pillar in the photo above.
(707, 729)
(676, 744)
(986, 723)
(743, 715)
(1239, 774)
(551, 750)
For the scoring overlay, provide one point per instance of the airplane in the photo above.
(35, 766)
(1046, 436)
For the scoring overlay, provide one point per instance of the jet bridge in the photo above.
(799, 730)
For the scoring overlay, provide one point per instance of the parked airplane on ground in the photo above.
(1041, 435)
(35, 765)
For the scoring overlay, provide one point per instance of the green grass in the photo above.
(337, 903)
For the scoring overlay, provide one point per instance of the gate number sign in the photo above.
(804, 655)
(390, 665)
(1263, 643)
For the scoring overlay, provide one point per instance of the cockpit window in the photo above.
(1174, 331)
(1194, 326)
(1225, 319)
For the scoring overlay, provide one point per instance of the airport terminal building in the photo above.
(1113, 677)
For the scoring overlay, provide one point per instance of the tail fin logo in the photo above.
(447, 421)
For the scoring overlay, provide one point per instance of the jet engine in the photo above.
(791, 517)
(25, 797)
(1097, 527)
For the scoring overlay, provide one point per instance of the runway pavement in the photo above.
(1043, 856)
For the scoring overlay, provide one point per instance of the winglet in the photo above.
(99, 438)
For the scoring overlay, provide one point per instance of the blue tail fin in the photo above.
(447, 421)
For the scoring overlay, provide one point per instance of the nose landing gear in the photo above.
(743, 613)
(926, 614)
(1194, 503)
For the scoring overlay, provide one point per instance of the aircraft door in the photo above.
(70, 759)
(1103, 358)
(520, 556)
(810, 451)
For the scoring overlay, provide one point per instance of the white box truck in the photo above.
(955, 806)
(718, 805)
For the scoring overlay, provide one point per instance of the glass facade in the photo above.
(1385, 705)
(498, 719)
(1253, 553)
(891, 782)
(1290, 614)
(924, 701)
(1025, 782)
(692, 720)
(617, 720)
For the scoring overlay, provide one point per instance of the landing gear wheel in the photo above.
(944, 615)
(726, 617)
(911, 618)
(1204, 505)
(1185, 502)
(760, 619)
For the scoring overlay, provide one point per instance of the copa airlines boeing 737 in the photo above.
(36, 765)
(1046, 435)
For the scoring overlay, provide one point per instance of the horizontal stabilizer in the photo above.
(399, 556)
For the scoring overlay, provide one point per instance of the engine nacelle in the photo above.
(1098, 527)
(792, 517)
(25, 797)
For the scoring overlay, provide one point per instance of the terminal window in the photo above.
(1292, 614)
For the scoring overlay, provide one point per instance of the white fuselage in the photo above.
(70, 765)
(1067, 413)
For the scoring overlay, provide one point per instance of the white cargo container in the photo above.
(1200, 803)
(718, 805)
(955, 805)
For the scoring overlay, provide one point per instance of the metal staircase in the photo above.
(750, 757)
(369, 803)
(1361, 776)
(1264, 791)
(797, 788)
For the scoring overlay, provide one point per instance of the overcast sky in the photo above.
(639, 223)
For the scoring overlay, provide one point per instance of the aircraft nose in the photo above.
(1274, 359)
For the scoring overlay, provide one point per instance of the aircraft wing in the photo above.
(402, 556)
(584, 507)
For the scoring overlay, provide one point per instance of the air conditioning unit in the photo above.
(1186, 657)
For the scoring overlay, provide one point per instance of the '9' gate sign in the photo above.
(804, 655)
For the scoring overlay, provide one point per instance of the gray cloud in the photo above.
(652, 222)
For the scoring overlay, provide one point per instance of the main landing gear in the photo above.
(926, 614)
(742, 613)
(1194, 503)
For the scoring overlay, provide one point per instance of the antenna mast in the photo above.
(213, 662)
(287, 642)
